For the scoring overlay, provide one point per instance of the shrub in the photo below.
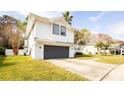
(112, 51)
(2, 51)
(78, 54)
(24, 54)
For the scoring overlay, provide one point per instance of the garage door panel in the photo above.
(56, 52)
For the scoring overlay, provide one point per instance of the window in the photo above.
(63, 30)
(56, 29)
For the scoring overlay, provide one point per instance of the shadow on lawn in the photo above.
(84, 55)
(2, 58)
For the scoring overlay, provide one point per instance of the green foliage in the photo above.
(107, 45)
(82, 37)
(104, 45)
(68, 18)
(24, 68)
(99, 44)
(109, 59)
(113, 59)
(2, 51)
(78, 38)
(112, 51)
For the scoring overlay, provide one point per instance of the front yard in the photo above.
(24, 68)
(113, 59)
(110, 59)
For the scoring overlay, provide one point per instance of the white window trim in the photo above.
(59, 30)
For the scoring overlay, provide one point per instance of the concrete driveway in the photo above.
(87, 68)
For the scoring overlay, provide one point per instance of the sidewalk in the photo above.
(116, 74)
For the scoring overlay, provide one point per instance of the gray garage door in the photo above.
(55, 52)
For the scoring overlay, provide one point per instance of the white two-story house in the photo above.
(49, 38)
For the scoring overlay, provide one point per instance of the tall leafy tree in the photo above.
(12, 30)
(82, 37)
(68, 17)
(78, 37)
(86, 38)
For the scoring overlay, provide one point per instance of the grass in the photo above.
(114, 59)
(110, 59)
(22, 68)
(85, 56)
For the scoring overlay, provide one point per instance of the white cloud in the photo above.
(118, 28)
(48, 14)
(96, 18)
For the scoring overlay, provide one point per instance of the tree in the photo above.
(93, 38)
(12, 29)
(104, 37)
(82, 37)
(87, 34)
(103, 45)
(68, 18)
(78, 38)
(99, 45)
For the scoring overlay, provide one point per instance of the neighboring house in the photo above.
(87, 49)
(49, 38)
(90, 49)
(117, 48)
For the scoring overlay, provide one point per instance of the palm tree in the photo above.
(67, 17)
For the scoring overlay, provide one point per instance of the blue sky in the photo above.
(111, 23)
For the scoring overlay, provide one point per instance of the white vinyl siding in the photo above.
(45, 31)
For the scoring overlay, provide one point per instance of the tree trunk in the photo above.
(15, 51)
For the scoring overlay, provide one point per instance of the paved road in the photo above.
(87, 68)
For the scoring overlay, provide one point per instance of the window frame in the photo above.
(63, 31)
(53, 31)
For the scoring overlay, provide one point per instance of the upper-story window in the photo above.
(56, 29)
(63, 31)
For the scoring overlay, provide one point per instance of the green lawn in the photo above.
(110, 59)
(113, 59)
(24, 68)
(85, 56)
